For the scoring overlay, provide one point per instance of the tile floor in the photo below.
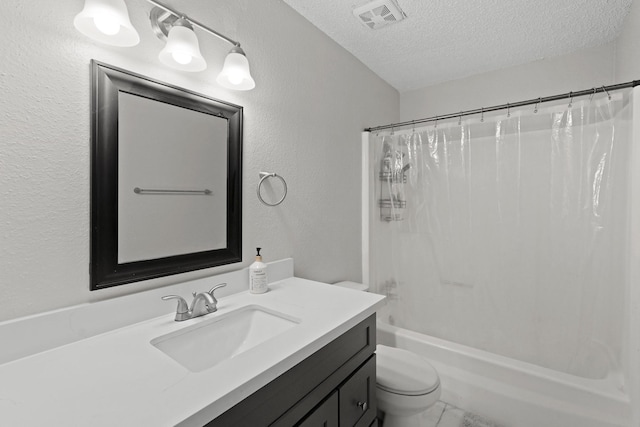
(443, 414)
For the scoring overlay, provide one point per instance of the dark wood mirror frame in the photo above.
(107, 82)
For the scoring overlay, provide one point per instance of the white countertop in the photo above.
(118, 378)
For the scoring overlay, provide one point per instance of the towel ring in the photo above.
(265, 175)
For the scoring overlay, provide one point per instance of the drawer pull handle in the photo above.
(362, 405)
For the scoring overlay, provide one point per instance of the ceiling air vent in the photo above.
(379, 13)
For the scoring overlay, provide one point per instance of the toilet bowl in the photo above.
(406, 386)
(406, 383)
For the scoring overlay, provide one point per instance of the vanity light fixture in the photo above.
(182, 50)
(107, 21)
(235, 73)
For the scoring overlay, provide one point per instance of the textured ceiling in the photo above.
(444, 40)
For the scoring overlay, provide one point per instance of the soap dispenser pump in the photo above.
(258, 275)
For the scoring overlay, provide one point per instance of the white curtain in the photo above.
(508, 232)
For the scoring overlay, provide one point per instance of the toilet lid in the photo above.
(403, 372)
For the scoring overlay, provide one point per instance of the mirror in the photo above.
(166, 171)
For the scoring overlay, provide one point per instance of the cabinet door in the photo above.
(325, 415)
(358, 404)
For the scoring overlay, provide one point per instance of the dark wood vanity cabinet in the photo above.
(357, 395)
(334, 387)
(350, 404)
(325, 415)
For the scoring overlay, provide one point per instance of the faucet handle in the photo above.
(221, 285)
(182, 309)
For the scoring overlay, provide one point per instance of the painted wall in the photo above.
(302, 121)
(627, 46)
(578, 71)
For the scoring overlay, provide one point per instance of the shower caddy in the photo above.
(392, 201)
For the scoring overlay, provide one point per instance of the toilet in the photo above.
(406, 383)
(406, 386)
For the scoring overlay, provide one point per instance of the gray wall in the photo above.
(578, 71)
(302, 121)
(627, 47)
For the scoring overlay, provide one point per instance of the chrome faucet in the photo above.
(203, 303)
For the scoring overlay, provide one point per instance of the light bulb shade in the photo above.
(182, 50)
(235, 73)
(107, 21)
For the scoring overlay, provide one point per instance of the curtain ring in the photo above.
(570, 99)
(436, 123)
(263, 177)
(392, 131)
(608, 94)
(460, 119)
(482, 115)
(593, 93)
(414, 126)
(537, 103)
(508, 110)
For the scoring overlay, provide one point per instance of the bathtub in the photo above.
(514, 393)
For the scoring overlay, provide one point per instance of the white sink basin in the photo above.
(208, 343)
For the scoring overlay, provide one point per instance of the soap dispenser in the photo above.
(258, 275)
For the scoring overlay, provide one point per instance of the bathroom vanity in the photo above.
(124, 361)
(337, 382)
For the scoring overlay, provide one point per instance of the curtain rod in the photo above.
(569, 95)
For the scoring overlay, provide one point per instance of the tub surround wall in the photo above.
(628, 68)
(302, 121)
(612, 63)
(545, 77)
(631, 361)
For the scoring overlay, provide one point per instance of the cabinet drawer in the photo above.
(357, 396)
(325, 415)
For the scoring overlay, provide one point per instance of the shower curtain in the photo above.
(507, 233)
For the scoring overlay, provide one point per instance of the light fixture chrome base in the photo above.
(162, 21)
(237, 49)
